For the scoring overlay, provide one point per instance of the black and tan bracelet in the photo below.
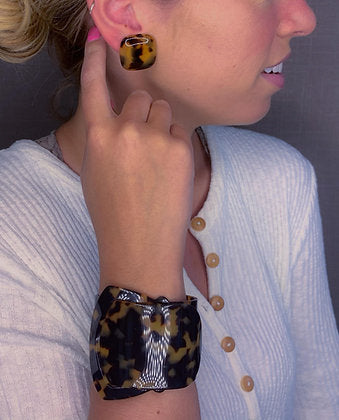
(138, 344)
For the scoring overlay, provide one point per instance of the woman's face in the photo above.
(211, 55)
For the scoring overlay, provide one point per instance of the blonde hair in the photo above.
(26, 26)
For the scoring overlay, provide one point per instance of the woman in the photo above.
(140, 199)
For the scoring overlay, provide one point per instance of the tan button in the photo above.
(247, 383)
(228, 344)
(217, 303)
(198, 223)
(212, 260)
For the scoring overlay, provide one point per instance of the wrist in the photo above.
(152, 284)
(166, 343)
(155, 279)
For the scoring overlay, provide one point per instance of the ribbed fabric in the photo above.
(262, 220)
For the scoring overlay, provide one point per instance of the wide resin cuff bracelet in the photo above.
(138, 344)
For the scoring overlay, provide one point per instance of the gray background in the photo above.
(305, 113)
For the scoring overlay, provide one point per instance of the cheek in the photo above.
(252, 36)
(254, 45)
(230, 54)
(262, 39)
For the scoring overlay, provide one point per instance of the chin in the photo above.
(242, 115)
(253, 115)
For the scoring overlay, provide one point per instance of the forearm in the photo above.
(154, 273)
(168, 405)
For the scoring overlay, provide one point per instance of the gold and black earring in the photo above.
(138, 52)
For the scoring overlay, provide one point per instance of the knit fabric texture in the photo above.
(262, 221)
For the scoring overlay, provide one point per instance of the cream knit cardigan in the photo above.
(262, 220)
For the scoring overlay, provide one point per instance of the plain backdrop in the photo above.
(305, 113)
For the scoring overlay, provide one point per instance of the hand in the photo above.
(137, 177)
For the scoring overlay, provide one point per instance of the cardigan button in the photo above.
(228, 344)
(212, 260)
(198, 223)
(247, 383)
(217, 302)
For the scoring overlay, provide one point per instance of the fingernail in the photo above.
(93, 34)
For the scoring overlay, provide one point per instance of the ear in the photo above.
(115, 19)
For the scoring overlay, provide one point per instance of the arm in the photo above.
(169, 405)
(43, 364)
(137, 178)
(312, 319)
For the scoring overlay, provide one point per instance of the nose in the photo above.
(296, 19)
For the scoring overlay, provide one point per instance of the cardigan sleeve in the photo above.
(313, 323)
(48, 274)
(44, 372)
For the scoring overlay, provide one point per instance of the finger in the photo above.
(137, 106)
(160, 115)
(95, 99)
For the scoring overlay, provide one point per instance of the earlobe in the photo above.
(114, 19)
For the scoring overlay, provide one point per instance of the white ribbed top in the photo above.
(262, 220)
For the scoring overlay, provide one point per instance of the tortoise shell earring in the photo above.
(138, 52)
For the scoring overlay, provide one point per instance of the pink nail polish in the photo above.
(93, 34)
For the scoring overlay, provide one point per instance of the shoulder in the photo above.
(18, 159)
(239, 143)
(23, 150)
(17, 165)
(35, 189)
(16, 149)
(30, 163)
(260, 158)
(19, 173)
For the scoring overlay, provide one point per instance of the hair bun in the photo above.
(23, 31)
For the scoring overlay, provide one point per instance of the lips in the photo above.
(277, 79)
(273, 74)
